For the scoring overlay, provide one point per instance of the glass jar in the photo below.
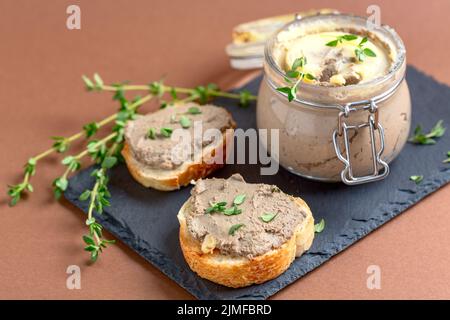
(337, 133)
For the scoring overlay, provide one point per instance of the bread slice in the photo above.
(238, 272)
(168, 180)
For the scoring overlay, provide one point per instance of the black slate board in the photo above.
(146, 220)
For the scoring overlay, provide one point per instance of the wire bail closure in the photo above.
(380, 167)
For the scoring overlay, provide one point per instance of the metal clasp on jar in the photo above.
(380, 167)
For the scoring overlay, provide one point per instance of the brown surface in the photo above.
(41, 63)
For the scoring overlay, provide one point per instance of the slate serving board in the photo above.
(145, 219)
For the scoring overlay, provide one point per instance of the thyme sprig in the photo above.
(341, 39)
(295, 77)
(420, 137)
(361, 51)
(106, 151)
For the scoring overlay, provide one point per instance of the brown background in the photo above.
(42, 95)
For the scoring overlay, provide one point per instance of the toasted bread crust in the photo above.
(193, 171)
(241, 272)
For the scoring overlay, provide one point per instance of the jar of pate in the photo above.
(334, 86)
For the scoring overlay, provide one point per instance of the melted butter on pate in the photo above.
(336, 65)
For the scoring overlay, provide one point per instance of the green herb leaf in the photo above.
(286, 90)
(349, 37)
(194, 110)
(109, 162)
(85, 195)
(88, 240)
(416, 179)
(62, 183)
(298, 63)
(427, 139)
(216, 207)
(333, 43)
(151, 134)
(234, 210)
(363, 40)
(318, 227)
(239, 199)
(360, 54)
(61, 144)
(244, 98)
(292, 93)
(368, 52)
(173, 93)
(89, 84)
(235, 228)
(163, 105)
(292, 74)
(309, 76)
(30, 166)
(437, 131)
(166, 132)
(448, 158)
(67, 160)
(90, 129)
(268, 216)
(156, 88)
(185, 122)
(94, 255)
(98, 81)
(90, 221)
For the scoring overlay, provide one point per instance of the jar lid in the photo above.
(247, 49)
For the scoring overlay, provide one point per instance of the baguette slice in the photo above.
(168, 180)
(239, 272)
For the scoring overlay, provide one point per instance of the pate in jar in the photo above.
(334, 86)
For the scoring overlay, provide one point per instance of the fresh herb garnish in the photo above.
(151, 134)
(185, 122)
(239, 199)
(166, 132)
(244, 98)
(194, 110)
(234, 210)
(90, 129)
(234, 228)
(448, 158)
(362, 52)
(268, 216)
(340, 39)
(429, 138)
(106, 151)
(318, 227)
(216, 207)
(293, 73)
(416, 179)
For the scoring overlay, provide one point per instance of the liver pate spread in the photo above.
(155, 150)
(255, 237)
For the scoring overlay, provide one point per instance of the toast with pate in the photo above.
(238, 234)
(155, 159)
